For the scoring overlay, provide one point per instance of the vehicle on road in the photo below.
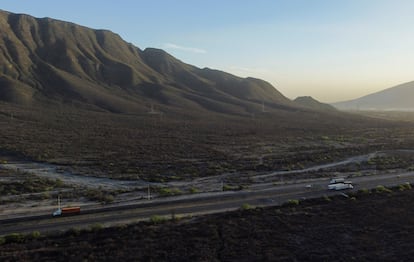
(337, 180)
(66, 211)
(340, 186)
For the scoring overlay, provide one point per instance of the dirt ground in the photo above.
(366, 227)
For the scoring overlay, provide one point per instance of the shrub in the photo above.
(293, 202)
(164, 191)
(194, 190)
(108, 199)
(405, 186)
(246, 206)
(365, 191)
(14, 238)
(45, 195)
(35, 234)
(357, 174)
(156, 219)
(2, 240)
(227, 188)
(59, 183)
(176, 217)
(233, 188)
(382, 189)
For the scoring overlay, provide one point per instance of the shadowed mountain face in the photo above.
(399, 98)
(50, 61)
(311, 103)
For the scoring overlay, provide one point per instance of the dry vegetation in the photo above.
(369, 224)
(16, 186)
(163, 148)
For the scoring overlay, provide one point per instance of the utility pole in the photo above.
(58, 200)
(149, 192)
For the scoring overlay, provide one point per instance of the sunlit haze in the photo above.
(331, 50)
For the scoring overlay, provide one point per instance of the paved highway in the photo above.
(257, 195)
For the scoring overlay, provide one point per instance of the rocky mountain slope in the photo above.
(50, 61)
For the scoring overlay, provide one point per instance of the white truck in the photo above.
(340, 186)
(337, 180)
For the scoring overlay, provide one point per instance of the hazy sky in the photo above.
(329, 49)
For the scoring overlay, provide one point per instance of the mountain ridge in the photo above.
(311, 103)
(48, 59)
(398, 98)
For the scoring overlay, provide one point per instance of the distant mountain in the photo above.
(399, 98)
(311, 103)
(50, 61)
